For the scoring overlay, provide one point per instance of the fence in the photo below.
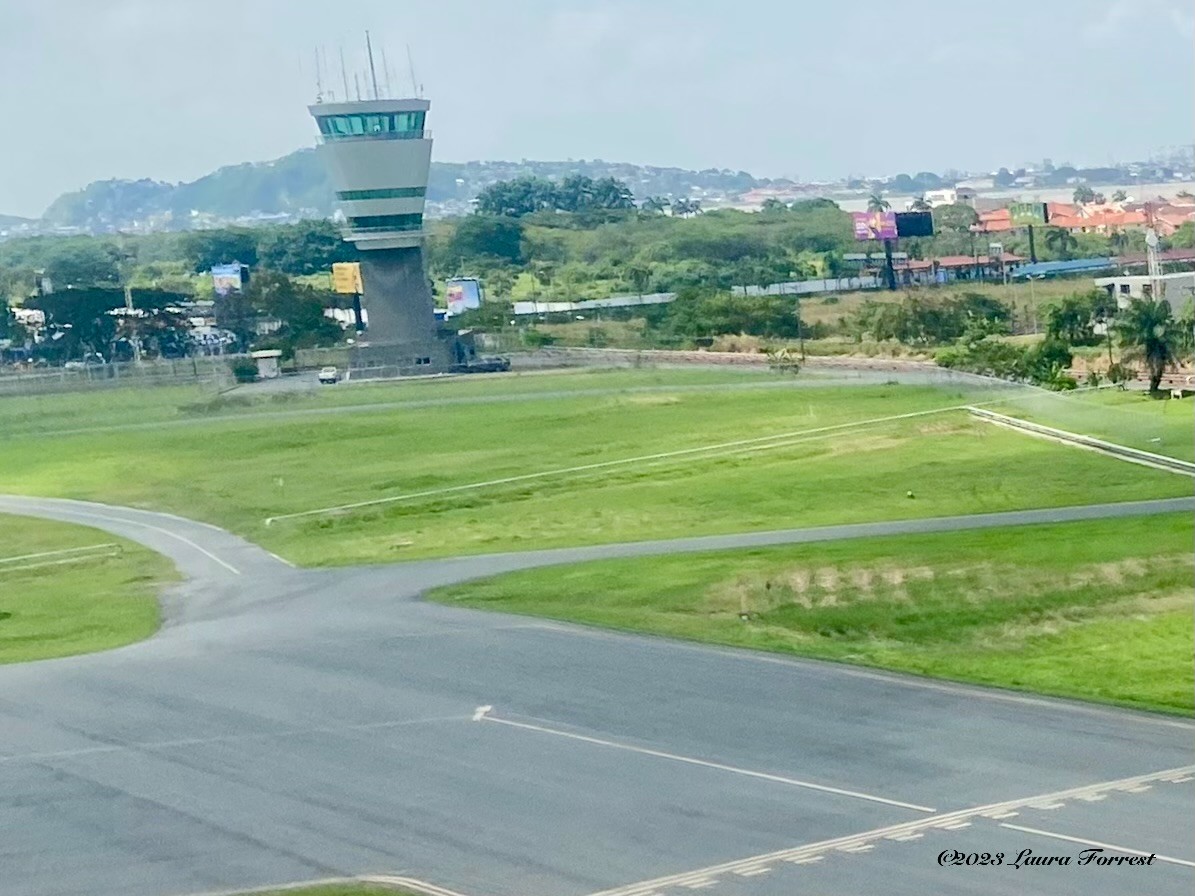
(213, 372)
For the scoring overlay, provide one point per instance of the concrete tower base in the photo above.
(402, 339)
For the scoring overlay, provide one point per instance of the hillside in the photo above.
(295, 186)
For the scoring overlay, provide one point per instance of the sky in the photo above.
(810, 89)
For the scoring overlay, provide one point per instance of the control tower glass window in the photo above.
(387, 222)
(383, 125)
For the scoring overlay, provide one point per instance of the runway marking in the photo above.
(689, 760)
(601, 465)
(819, 849)
(231, 738)
(410, 883)
(1098, 844)
(166, 532)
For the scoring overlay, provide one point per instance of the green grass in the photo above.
(1127, 418)
(132, 408)
(1097, 610)
(236, 472)
(105, 599)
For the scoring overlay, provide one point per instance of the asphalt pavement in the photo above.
(289, 724)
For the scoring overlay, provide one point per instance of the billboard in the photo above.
(1025, 214)
(914, 224)
(226, 278)
(462, 294)
(346, 278)
(874, 225)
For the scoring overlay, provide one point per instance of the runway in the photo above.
(290, 724)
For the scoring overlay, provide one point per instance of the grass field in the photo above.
(237, 471)
(1128, 418)
(1099, 611)
(93, 592)
(132, 408)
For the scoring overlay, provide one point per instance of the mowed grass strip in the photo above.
(238, 473)
(114, 409)
(104, 597)
(1132, 418)
(1097, 610)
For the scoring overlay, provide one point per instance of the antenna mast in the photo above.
(386, 71)
(373, 75)
(319, 81)
(344, 76)
(357, 84)
(411, 64)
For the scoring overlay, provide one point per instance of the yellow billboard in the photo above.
(346, 278)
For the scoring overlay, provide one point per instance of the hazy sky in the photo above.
(171, 89)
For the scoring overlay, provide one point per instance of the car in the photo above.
(328, 375)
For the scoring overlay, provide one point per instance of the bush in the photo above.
(244, 370)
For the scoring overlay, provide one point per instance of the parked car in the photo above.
(328, 375)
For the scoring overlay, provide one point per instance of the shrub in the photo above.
(244, 370)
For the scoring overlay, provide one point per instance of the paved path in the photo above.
(294, 724)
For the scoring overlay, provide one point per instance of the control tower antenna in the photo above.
(319, 80)
(411, 64)
(344, 76)
(357, 85)
(386, 72)
(373, 75)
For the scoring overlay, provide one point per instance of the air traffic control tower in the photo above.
(377, 154)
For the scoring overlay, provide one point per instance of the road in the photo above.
(288, 724)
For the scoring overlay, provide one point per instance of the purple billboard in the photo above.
(874, 225)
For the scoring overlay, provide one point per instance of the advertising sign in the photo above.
(874, 225)
(226, 278)
(462, 294)
(914, 224)
(1025, 214)
(346, 278)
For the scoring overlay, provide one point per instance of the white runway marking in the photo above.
(810, 851)
(1097, 844)
(410, 883)
(128, 522)
(689, 760)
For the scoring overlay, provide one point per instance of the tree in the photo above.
(920, 204)
(1061, 242)
(207, 248)
(1083, 194)
(877, 203)
(640, 277)
(1072, 319)
(1119, 196)
(82, 316)
(956, 218)
(83, 263)
(303, 248)
(482, 236)
(772, 206)
(656, 205)
(1148, 333)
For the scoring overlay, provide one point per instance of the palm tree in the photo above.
(1149, 333)
(1119, 196)
(1061, 242)
(877, 203)
(920, 205)
(654, 204)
